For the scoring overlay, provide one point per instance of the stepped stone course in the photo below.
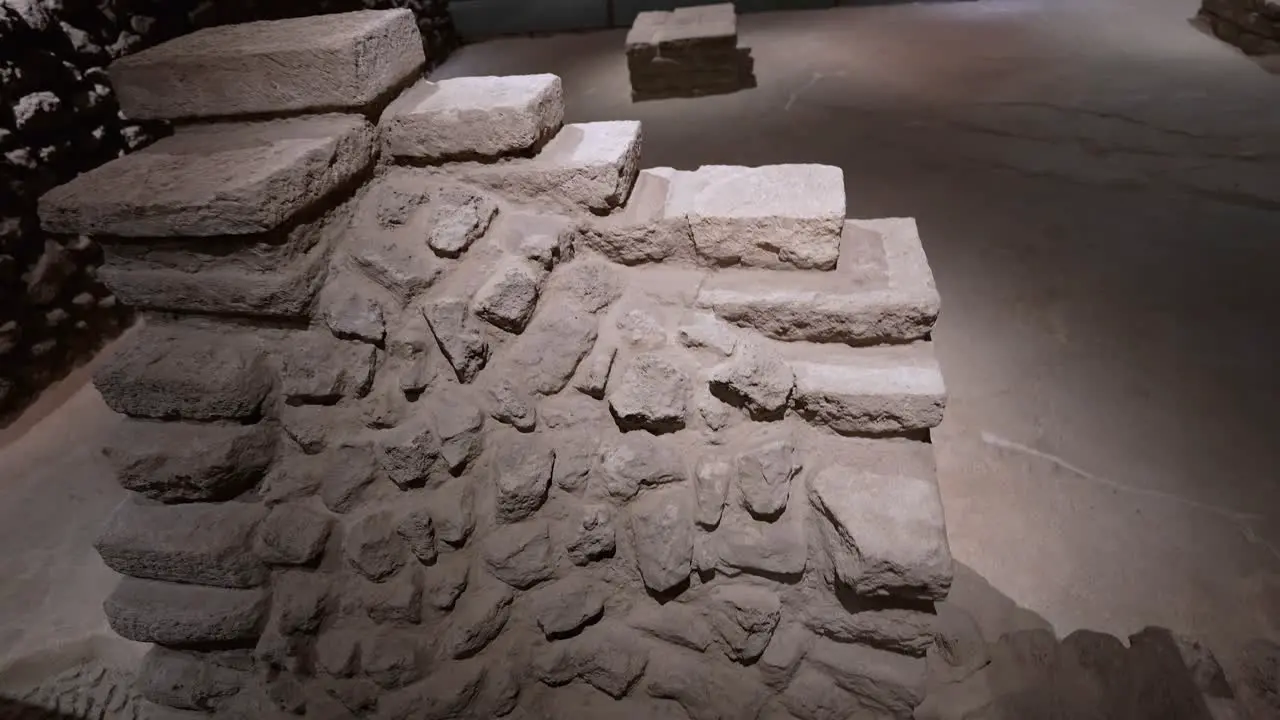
(526, 437)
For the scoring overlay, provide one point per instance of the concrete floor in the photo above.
(1098, 188)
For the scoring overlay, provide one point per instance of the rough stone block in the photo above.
(173, 614)
(307, 64)
(187, 681)
(776, 216)
(643, 231)
(169, 373)
(198, 543)
(882, 290)
(871, 391)
(586, 165)
(214, 180)
(473, 117)
(885, 534)
(687, 25)
(189, 462)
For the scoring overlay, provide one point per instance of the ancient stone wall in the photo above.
(61, 118)
(1251, 25)
(459, 413)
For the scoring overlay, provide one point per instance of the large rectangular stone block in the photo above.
(172, 614)
(473, 117)
(311, 64)
(882, 290)
(215, 180)
(197, 543)
(869, 391)
(776, 216)
(176, 462)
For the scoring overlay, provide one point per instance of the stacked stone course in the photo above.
(463, 415)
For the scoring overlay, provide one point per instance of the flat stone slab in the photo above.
(473, 117)
(197, 543)
(684, 25)
(308, 64)
(882, 290)
(172, 614)
(214, 180)
(868, 391)
(588, 166)
(780, 217)
(170, 373)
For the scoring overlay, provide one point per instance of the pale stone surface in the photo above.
(521, 555)
(881, 291)
(872, 390)
(662, 534)
(302, 64)
(885, 534)
(591, 534)
(638, 460)
(212, 180)
(745, 617)
(189, 462)
(757, 379)
(682, 25)
(590, 166)
(173, 614)
(460, 334)
(473, 117)
(651, 392)
(508, 297)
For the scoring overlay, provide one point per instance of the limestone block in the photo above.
(587, 165)
(174, 614)
(214, 180)
(885, 534)
(776, 216)
(307, 64)
(642, 231)
(189, 462)
(662, 535)
(882, 290)
(651, 392)
(879, 681)
(608, 656)
(186, 680)
(199, 543)
(871, 390)
(171, 373)
(473, 117)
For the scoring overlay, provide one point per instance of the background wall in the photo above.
(59, 118)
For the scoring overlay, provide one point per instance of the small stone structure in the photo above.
(449, 410)
(689, 52)
(1251, 25)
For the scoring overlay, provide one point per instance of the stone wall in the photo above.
(461, 414)
(61, 118)
(1251, 25)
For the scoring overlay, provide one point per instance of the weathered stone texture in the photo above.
(188, 462)
(173, 614)
(874, 391)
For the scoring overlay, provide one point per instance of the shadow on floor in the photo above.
(16, 710)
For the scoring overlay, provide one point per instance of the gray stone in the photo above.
(318, 369)
(564, 607)
(545, 357)
(765, 473)
(346, 472)
(308, 426)
(786, 650)
(460, 335)
(638, 460)
(812, 695)
(508, 297)
(872, 391)
(575, 454)
(706, 690)
(1259, 679)
(394, 262)
(958, 649)
(205, 544)
(522, 475)
(410, 454)
(392, 659)
(182, 462)
(501, 691)
(478, 620)
(879, 681)
(353, 315)
(594, 373)
(652, 393)
(170, 374)
(385, 409)
(591, 534)
(755, 378)
(373, 547)
(744, 616)
(452, 509)
(642, 330)
(293, 534)
(300, 601)
(458, 422)
(337, 652)
(899, 630)
(703, 330)
(186, 681)
(857, 507)
(419, 534)
(662, 536)
(441, 696)
(606, 656)
(460, 218)
(172, 614)
(474, 117)
(305, 64)
(521, 555)
(675, 623)
(711, 488)
(590, 284)
(574, 412)
(446, 581)
(511, 404)
(397, 601)
(777, 549)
